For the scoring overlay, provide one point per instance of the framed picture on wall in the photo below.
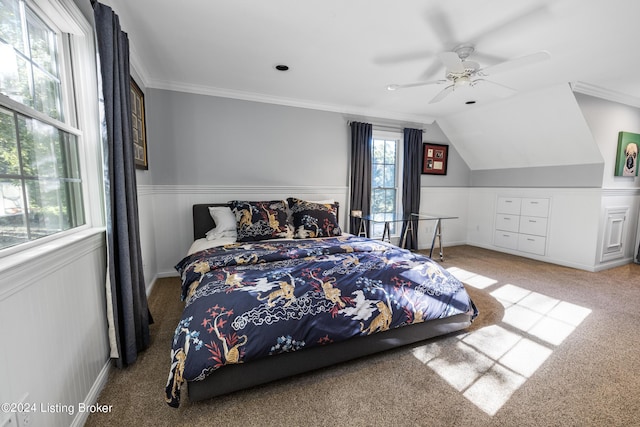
(434, 158)
(139, 126)
(627, 154)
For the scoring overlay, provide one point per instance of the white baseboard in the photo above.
(92, 397)
(150, 286)
(165, 274)
(612, 264)
(563, 263)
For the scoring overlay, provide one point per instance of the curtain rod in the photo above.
(389, 127)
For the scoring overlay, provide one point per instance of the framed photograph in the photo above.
(627, 154)
(139, 126)
(434, 159)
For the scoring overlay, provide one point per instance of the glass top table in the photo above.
(410, 228)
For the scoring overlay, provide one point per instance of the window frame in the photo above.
(78, 77)
(399, 166)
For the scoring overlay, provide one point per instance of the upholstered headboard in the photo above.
(202, 221)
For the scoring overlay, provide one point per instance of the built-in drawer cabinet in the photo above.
(521, 224)
(533, 225)
(535, 207)
(506, 239)
(509, 205)
(531, 244)
(507, 222)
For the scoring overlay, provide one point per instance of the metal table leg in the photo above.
(437, 233)
(386, 231)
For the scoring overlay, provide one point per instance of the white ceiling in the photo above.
(537, 128)
(342, 54)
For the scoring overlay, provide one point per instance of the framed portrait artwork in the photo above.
(139, 126)
(434, 159)
(627, 154)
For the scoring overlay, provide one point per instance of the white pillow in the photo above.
(225, 223)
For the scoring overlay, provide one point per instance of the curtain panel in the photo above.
(361, 137)
(411, 182)
(127, 305)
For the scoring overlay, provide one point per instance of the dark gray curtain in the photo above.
(361, 137)
(129, 316)
(411, 182)
(638, 255)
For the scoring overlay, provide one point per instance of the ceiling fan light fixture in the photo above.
(463, 81)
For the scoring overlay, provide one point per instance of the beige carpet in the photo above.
(553, 346)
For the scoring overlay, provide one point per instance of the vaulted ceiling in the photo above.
(342, 55)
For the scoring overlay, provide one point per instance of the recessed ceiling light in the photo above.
(282, 67)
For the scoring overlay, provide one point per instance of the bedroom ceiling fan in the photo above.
(462, 72)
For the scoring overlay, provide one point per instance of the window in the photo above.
(386, 183)
(41, 186)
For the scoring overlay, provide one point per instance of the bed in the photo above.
(262, 307)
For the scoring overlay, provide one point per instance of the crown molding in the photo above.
(603, 93)
(238, 189)
(288, 102)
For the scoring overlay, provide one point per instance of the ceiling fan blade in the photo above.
(498, 89)
(488, 59)
(442, 95)
(531, 16)
(441, 25)
(416, 84)
(451, 61)
(432, 70)
(414, 56)
(515, 63)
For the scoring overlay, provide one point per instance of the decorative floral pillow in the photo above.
(313, 219)
(261, 220)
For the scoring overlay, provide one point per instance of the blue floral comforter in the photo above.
(249, 300)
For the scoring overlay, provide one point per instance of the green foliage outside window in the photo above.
(384, 186)
(40, 180)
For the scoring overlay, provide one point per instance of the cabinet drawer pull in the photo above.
(532, 220)
(534, 203)
(531, 240)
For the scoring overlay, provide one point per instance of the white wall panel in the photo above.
(147, 234)
(573, 223)
(613, 201)
(172, 214)
(54, 328)
(446, 202)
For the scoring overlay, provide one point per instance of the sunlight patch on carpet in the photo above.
(472, 279)
(487, 366)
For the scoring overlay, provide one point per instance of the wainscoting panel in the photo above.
(573, 223)
(172, 217)
(618, 227)
(147, 235)
(54, 330)
(449, 201)
(614, 232)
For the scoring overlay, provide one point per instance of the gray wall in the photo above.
(580, 176)
(206, 140)
(458, 173)
(605, 119)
